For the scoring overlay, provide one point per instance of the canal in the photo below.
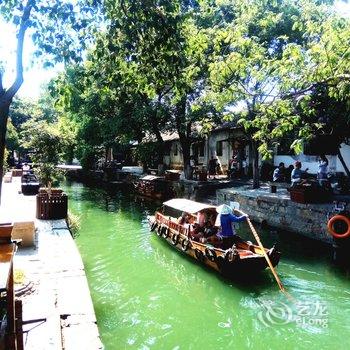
(148, 296)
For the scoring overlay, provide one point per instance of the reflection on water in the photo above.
(147, 295)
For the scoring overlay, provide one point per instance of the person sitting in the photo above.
(279, 174)
(228, 234)
(210, 233)
(297, 174)
(198, 226)
(26, 167)
(183, 219)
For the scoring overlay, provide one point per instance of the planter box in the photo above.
(307, 194)
(51, 207)
(17, 172)
(171, 175)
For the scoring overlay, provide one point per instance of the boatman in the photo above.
(228, 234)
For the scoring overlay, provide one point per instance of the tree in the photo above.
(59, 30)
(47, 144)
(312, 98)
(249, 62)
(165, 46)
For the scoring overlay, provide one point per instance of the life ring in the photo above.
(166, 232)
(185, 244)
(210, 254)
(339, 219)
(159, 230)
(199, 254)
(154, 226)
(175, 238)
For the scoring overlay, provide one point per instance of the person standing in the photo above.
(227, 218)
(322, 170)
(213, 163)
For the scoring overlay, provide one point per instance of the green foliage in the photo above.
(74, 223)
(274, 59)
(146, 154)
(59, 29)
(144, 76)
(46, 143)
(5, 165)
(12, 137)
(166, 66)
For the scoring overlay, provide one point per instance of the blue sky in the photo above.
(35, 76)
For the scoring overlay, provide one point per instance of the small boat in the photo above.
(155, 187)
(30, 184)
(242, 258)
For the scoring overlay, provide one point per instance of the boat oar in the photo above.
(257, 238)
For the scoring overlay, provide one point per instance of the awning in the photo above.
(187, 205)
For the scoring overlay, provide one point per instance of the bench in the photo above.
(274, 185)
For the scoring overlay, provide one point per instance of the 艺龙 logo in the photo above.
(303, 313)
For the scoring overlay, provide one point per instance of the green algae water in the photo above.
(148, 296)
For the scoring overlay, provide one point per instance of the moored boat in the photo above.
(243, 257)
(155, 187)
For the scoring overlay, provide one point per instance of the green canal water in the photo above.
(148, 296)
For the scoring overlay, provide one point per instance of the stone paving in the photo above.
(55, 286)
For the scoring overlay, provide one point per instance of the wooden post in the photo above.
(11, 326)
(19, 324)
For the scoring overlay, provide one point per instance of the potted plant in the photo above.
(52, 203)
(46, 143)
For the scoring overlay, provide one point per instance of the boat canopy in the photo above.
(187, 205)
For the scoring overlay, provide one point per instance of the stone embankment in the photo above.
(54, 290)
(277, 210)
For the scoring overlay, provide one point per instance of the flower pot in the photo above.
(52, 206)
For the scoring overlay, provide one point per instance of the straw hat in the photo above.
(224, 209)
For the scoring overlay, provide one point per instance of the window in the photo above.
(219, 148)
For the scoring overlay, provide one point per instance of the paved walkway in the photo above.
(55, 286)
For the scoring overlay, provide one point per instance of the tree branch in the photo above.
(1, 86)
(341, 77)
(10, 93)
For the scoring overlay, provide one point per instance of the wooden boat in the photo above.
(30, 184)
(155, 187)
(242, 258)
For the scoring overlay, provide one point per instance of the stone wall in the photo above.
(277, 210)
